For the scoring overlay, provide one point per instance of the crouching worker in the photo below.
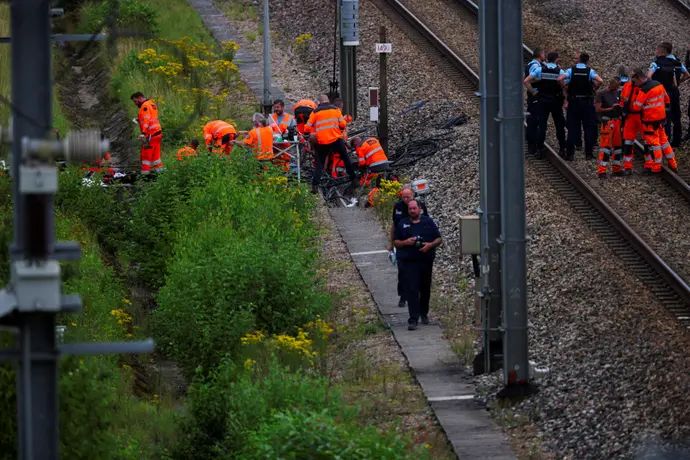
(189, 150)
(260, 138)
(416, 238)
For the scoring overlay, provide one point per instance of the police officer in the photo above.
(400, 213)
(670, 72)
(416, 238)
(532, 110)
(549, 100)
(581, 83)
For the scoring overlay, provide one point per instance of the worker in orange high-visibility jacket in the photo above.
(280, 121)
(327, 124)
(652, 101)
(260, 138)
(218, 136)
(632, 124)
(609, 113)
(189, 150)
(302, 110)
(151, 134)
(370, 153)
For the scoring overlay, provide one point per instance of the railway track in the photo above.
(668, 287)
(680, 182)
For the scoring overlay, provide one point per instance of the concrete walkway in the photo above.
(447, 387)
(251, 66)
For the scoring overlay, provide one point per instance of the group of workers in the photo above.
(318, 124)
(643, 106)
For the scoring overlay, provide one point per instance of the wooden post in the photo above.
(383, 94)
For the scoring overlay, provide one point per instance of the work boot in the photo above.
(539, 154)
(562, 152)
(531, 149)
(647, 172)
(412, 325)
(401, 303)
(618, 173)
(425, 320)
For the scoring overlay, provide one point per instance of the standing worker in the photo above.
(632, 125)
(548, 97)
(652, 100)
(670, 72)
(400, 212)
(581, 83)
(219, 134)
(281, 121)
(609, 111)
(532, 110)
(188, 150)
(260, 138)
(151, 134)
(327, 124)
(416, 238)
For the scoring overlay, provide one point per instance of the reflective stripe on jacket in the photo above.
(327, 123)
(370, 153)
(261, 141)
(651, 101)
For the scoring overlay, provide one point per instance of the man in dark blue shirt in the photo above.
(399, 213)
(416, 238)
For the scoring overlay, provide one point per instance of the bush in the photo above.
(128, 16)
(299, 435)
(233, 402)
(244, 258)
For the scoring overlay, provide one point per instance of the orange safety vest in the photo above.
(102, 165)
(327, 123)
(370, 153)
(216, 129)
(652, 100)
(628, 95)
(185, 152)
(281, 126)
(261, 141)
(148, 119)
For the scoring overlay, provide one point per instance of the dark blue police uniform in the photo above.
(415, 267)
(399, 213)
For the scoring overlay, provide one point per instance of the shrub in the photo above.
(225, 408)
(299, 434)
(225, 281)
(129, 16)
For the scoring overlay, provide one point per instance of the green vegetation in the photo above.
(226, 255)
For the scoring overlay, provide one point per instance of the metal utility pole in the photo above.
(267, 100)
(488, 359)
(383, 94)
(349, 35)
(32, 299)
(513, 255)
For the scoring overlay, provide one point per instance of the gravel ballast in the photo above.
(618, 361)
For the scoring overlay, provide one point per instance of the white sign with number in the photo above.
(384, 48)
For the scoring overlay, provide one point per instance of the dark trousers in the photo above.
(581, 115)
(550, 106)
(322, 152)
(401, 285)
(532, 123)
(416, 277)
(673, 127)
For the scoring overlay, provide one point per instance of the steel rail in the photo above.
(626, 243)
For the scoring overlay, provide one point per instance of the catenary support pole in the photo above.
(513, 255)
(33, 227)
(490, 189)
(349, 40)
(383, 93)
(267, 102)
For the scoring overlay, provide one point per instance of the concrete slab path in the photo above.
(447, 386)
(251, 66)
